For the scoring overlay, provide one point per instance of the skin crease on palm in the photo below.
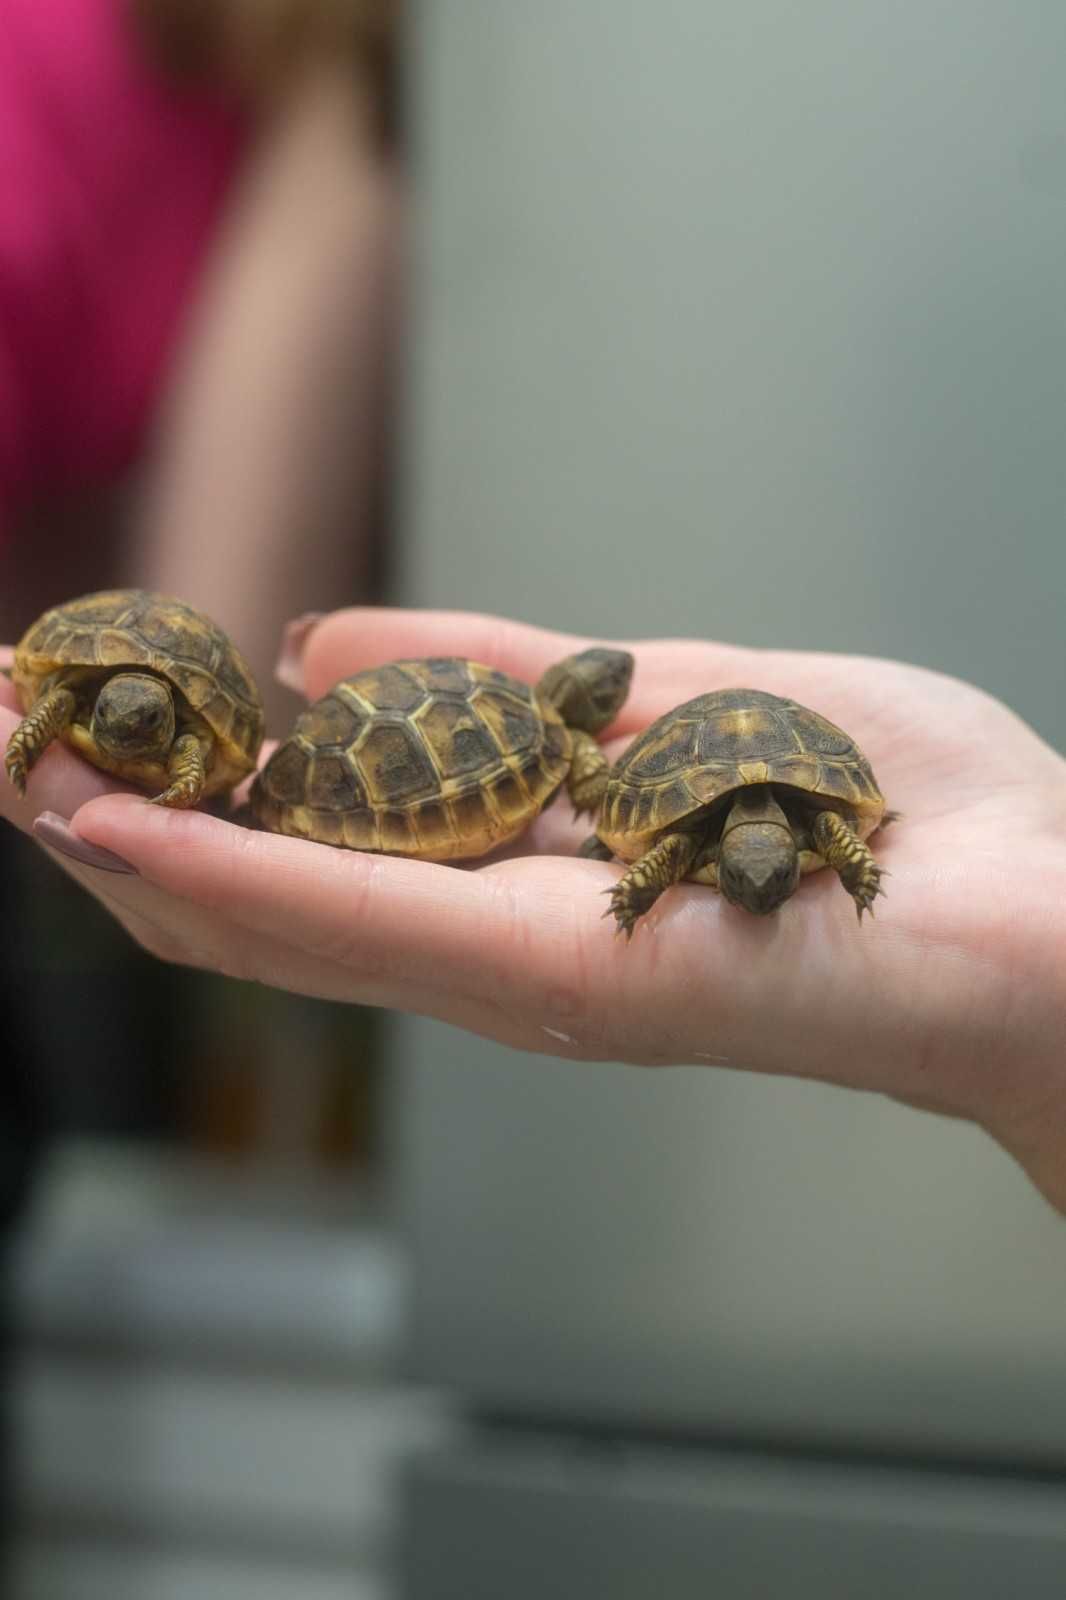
(953, 999)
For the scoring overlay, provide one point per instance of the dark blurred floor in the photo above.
(103, 1040)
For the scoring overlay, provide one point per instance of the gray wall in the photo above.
(747, 321)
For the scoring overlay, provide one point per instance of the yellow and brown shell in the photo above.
(133, 628)
(441, 759)
(719, 742)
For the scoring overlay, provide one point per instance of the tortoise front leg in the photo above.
(44, 722)
(637, 890)
(186, 772)
(841, 848)
(586, 782)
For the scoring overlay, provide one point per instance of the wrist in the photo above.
(1025, 1105)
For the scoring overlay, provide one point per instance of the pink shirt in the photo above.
(110, 185)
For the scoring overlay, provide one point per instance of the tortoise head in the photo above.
(758, 863)
(588, 690)
(133, 718)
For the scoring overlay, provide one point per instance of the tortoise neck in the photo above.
(755, 804)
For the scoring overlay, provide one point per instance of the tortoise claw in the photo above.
(179, 797)
(866, 891)
(172, 799)
(625, 913)
(16, 768)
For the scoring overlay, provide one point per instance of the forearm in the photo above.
(1021, 1060)
(256, 504)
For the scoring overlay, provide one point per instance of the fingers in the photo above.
(55, 832)
(517, 950)
(60, 781)
(316, 655)
(495, 953)
(858, 693)
(177, 932)
(364, 636)
(379, 916)
(180, 931)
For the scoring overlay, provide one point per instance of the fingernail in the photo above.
(54, 831)
(289, 669)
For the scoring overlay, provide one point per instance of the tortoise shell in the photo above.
(441, 759)
(115, 629)
(699, 753)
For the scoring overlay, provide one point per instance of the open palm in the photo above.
(954, 998)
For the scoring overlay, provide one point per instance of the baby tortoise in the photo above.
(743, 791)
(142, 686)
(442, 759)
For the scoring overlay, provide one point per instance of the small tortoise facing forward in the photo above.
(142, 686)
(743, 791)
(442, 759)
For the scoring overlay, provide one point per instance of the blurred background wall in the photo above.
(743, 322)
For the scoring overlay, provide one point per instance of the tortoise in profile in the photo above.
(141, 685)
(442, 759)
(744, 791)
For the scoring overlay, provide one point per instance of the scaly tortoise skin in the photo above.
(441, 759)
(729, 758)
(187, 719)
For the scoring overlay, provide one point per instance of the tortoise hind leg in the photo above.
(586, 782)
(841, 848)
(186, 772)
(667, 862)
(44, 722)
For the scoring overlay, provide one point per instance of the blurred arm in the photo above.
(256, 505)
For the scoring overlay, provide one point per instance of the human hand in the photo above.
(954, 999)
